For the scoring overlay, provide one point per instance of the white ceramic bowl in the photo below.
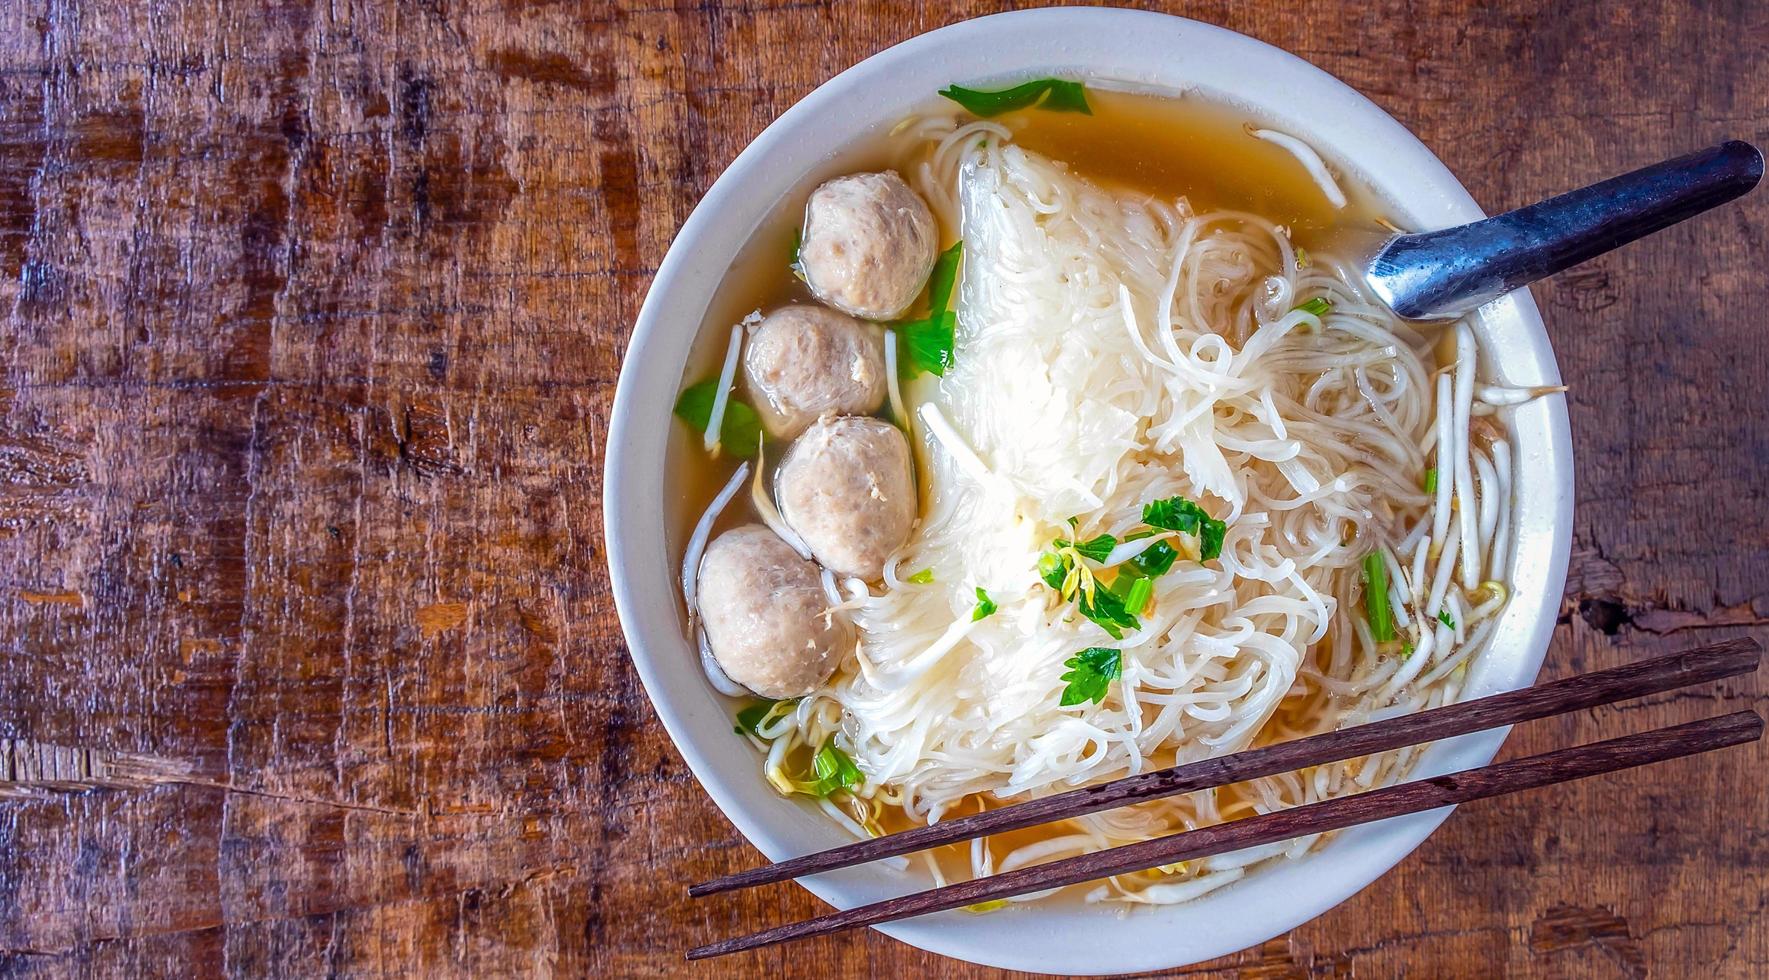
(1140, 48)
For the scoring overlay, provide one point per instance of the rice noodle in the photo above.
(1311, 161)
(703, 530)
(770, 514)
(691, 586)
(895, 388)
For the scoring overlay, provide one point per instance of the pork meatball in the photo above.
(868, 244)
(845, 487)
(766, 617)
(807, 361)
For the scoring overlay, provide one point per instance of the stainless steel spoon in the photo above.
(1444, 274)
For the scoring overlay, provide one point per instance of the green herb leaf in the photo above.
(1301, 258)
(1141, 591)
(985, 606)
(1180, 514)
(1443, 616)
(923, 577)
(928, 342)
(1090, 673)
(1106, 609)
(1052, 569)
(1317, 306)
(927, 345)
(798, 239)
(1156, 559)
(741, 430)
(834, 770)
(942, 278)
(1055, 94)
(1431, 480)
(1376, 608)
(1096, 548)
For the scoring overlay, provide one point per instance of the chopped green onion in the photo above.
(1301, 258)
(923, 577)
(1443, 616)
(1141, 591)
(1180, 514)
(1431, 480)
(985, 606)
(1055, 94)
(834, 770)
(1317, 306)
(750, 718)
(798, 269)
(1090, 673)
(989, 906)
(741, 429)
(1052, 569)
(928, 342)
(1376, 607)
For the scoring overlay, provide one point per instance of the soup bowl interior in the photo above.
(1162, 54)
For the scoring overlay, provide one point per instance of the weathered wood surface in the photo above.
(313, 316)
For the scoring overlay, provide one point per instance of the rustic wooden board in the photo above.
(313, 317)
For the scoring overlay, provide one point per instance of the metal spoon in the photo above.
(1444, 274)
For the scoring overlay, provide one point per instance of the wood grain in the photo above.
(313, 313)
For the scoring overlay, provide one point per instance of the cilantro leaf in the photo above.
(741, 429)
(1444, 617)
(1090, 673)
(1180, 514)
(1156, 559)
(1096, 548)
(985, 606)
(1106, 609)
(1055, 94)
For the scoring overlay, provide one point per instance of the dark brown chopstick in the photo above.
(1622, 683)
(1417, 796)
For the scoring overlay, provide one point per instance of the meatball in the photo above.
(766, 617)
(845, 487)
(807, 361)
(868, 244)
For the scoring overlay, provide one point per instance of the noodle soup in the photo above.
(1176, 486)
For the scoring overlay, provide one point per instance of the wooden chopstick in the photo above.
(1502, 778)
(1633, 680)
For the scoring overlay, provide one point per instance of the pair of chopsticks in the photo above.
(1710, 663)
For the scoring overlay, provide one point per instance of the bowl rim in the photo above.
(1138, 48)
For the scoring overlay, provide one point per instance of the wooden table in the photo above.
(314, 311)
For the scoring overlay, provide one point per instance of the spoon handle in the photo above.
(1443, 274)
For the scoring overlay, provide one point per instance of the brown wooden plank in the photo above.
(313, 313)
